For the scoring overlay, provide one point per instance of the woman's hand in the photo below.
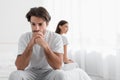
(67, 61)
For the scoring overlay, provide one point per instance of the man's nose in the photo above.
(36, 27)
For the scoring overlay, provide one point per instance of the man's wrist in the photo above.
(46, 46)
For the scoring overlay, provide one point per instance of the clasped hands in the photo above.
(38, 38)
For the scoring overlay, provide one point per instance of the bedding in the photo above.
(73, 72)
(70, 66)
(76, 74)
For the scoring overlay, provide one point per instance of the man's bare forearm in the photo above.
(55, 60)
(22, 61)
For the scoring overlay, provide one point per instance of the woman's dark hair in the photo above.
(39, 12)
(61, 23)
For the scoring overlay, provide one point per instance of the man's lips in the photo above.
(35, 31)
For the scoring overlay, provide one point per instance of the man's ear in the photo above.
(47, 23)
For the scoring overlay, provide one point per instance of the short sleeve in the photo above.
(57, 45)
(65, 40)
(22, 44)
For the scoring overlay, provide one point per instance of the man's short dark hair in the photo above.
(39, 12)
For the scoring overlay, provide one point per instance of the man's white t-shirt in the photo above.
(38, 58)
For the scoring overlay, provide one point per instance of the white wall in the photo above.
(12, 24)
(12, 19)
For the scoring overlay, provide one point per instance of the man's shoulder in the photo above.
(26, 34)
(51, 33)
(53, 36)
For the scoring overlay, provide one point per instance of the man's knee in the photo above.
(15, 75)
(59, 75)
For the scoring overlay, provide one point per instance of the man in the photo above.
(40, 52)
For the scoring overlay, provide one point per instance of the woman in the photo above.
(62, 29)
(70, 66)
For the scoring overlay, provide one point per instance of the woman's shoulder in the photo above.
(64, 37)
(53, 35)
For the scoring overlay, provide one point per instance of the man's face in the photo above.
(38, 24)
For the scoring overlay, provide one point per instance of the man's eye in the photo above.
(40, 24)
(66, 26)
(33, 24)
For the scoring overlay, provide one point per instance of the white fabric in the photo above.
(37, 74)
(38, 59)
(65, 40)
(70, 66)
(74, 74)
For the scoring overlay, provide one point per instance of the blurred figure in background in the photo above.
(62, 29)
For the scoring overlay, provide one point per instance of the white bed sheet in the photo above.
(73, 72)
